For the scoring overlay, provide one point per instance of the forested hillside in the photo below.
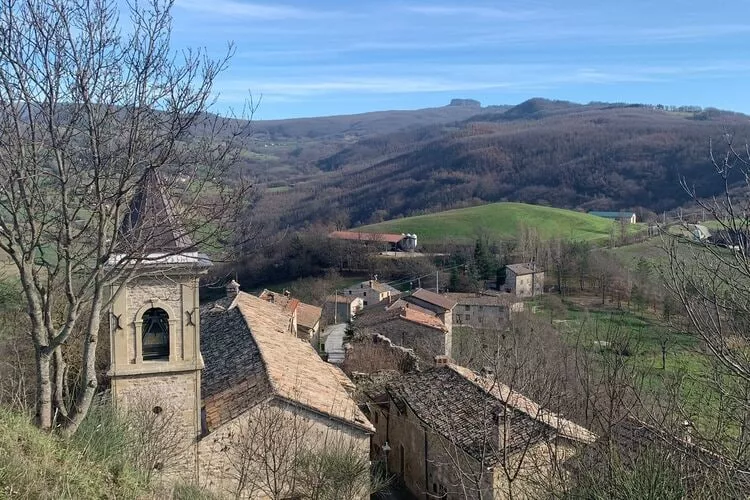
(595, 156)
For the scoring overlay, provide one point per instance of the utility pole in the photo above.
(437, 281)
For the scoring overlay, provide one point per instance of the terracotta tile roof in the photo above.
(401, 303)
(284, 301)
(149, 224)
(357, 236)
(294, 369)
(452, 403)
(251, 353)
(415, 316)
(372, 317)
(308, 315)
(520, 269)
(434, 298)
(473, 299)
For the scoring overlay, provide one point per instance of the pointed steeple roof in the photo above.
(150, 224)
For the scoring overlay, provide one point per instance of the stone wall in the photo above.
(221, 452)
(525, 285)
(432, 467)
(425, 341)
(372, 353)
(480, 316)
(166, 402)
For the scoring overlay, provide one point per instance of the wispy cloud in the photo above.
(473, 11)
(427, 79)
(236, 9)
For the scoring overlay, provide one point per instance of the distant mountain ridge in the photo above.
(585, 156)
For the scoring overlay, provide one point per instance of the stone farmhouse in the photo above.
(524, 280)
(208, 370)
(448, 432)
(484, 309)
(370, 291)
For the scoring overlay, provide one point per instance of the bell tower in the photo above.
(155, 359)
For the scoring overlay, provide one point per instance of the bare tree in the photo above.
(529, 375)
(277, 453)
(87, 103)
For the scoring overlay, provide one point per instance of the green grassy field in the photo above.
(500, 221)
(639, 336)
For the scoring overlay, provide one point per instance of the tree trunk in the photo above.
(43, 388)
(60, 377)
(87, 390)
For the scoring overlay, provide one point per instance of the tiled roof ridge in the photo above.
(264, 364)
(408, 314)
(518, 401)
(276, 387)
(442, 301)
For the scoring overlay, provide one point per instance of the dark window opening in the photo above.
(155, 334)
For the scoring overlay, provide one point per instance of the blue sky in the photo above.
(327, 57)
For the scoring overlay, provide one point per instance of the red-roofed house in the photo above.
(390, 242)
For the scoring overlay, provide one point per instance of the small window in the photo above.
(468, 317)
(375, 416)
(364, 294)
(467, 308)
(155, 334)
(365, 302)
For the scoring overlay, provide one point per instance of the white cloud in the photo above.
(425, 78)
(473, 11)
(236, 9)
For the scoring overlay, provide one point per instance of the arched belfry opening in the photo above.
(155, 335)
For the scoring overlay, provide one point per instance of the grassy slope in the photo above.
(500, 221)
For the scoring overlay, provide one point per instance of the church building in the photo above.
(209, 370)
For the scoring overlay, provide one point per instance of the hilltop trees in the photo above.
(88, 102)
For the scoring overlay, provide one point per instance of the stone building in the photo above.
(208, 373)
(440, 305)
(370, 291)
(253, 361)
(155, 360)
(341, 308)
(408, 326)
(483, 310)
(524, 280)
(450, 433)
(305, 317)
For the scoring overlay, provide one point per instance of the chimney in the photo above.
(442, 360)
(232, 288)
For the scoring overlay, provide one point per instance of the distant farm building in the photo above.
(628, 217)
(524, 280)
(484, 309)
(391, 242)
